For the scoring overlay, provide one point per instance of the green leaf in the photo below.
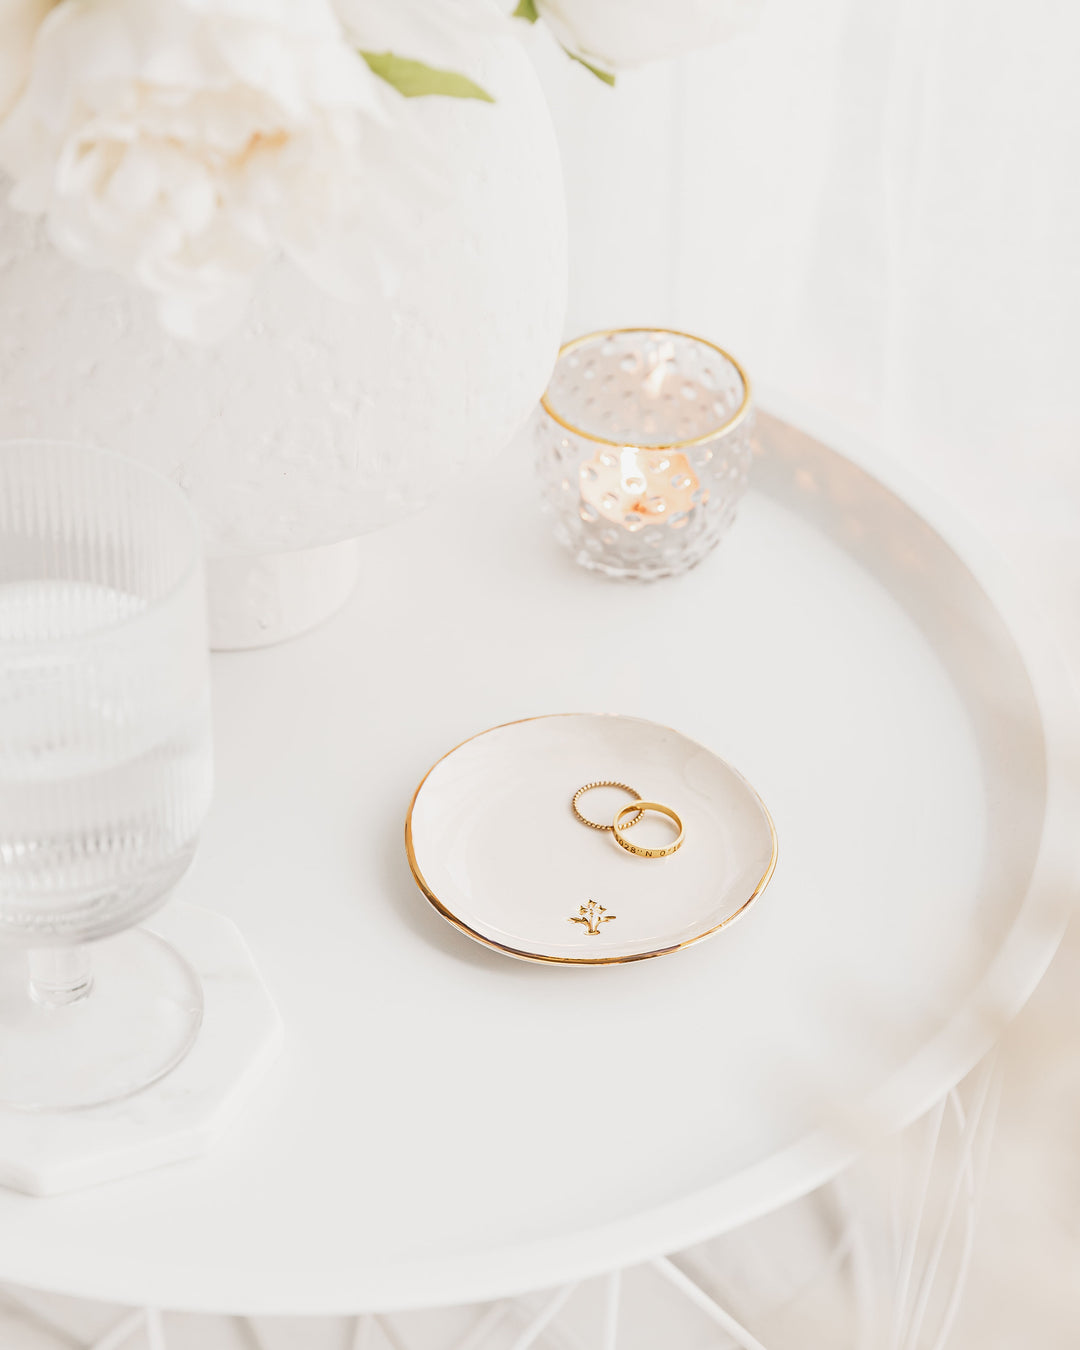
(526, 10)
(414, 79)
(604, 75)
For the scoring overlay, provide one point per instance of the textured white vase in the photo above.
(319, 418)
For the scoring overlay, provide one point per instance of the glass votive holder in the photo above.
(643, 449)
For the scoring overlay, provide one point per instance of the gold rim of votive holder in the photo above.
(736, 417)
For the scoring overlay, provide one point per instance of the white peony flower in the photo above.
(619, 34)
(184, 143)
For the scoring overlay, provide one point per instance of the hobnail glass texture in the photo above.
(643, 449)
(105, 766)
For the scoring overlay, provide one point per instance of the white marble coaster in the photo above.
(43, 1153)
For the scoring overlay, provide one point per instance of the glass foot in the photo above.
(138, 1020)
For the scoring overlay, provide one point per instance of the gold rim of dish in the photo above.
(452, 918)
(736, 417)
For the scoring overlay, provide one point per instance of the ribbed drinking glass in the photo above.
(105, 771)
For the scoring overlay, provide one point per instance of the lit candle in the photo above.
(643, 442)
(632, 487)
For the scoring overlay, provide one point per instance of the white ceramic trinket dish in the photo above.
(495, 847)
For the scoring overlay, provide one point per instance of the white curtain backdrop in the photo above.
(874, 203)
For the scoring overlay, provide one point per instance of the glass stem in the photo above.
(60, 975)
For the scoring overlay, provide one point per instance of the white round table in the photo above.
(448, 1125)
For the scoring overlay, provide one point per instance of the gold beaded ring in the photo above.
(595, 824)
(638, 849)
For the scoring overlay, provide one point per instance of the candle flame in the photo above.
(631, 478)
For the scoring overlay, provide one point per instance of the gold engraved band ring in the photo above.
(639, 850)
(607, 782)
